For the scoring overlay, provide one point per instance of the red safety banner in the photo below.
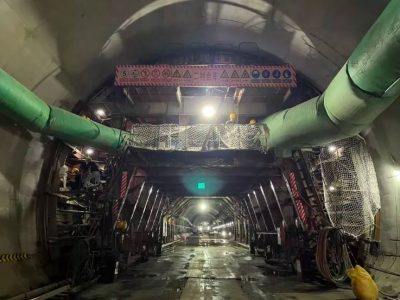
(271, 76)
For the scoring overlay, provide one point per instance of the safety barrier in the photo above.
(14, 257)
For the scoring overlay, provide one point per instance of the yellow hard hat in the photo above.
(252, 122)
(232, 115)
(122, 224)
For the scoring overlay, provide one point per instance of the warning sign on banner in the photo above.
(206, 75)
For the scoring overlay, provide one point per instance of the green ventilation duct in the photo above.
(26, 108)
(363, 88)
(366, 85)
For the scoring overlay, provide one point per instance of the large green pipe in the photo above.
(362, 89)
(23, 106)
(366, 85)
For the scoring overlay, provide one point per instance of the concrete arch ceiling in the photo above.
(65, 50)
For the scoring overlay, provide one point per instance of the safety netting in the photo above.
(351, 192)
(199, 137)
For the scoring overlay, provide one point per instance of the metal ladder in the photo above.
(312, 187)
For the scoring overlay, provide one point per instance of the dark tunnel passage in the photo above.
(180, 149)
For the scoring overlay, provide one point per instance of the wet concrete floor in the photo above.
(211, 271)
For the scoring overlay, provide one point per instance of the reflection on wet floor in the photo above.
(214, 269)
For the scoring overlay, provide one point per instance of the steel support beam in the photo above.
(293, 201)
(144, 208)
(156, 215)
(136, 204)
(277, 201)
(266, 203)
(151, 210)
(262, 215)
(254, 212)
(125, 196)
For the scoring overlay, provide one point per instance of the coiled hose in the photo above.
(332, 256)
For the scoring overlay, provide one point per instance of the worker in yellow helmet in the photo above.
(252, 122)
(122, 225)
(232, 117)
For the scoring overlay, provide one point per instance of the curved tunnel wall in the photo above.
(60, 51)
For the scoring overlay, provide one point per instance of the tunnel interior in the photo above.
(195, 191)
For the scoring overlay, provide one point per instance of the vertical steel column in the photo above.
(160, 220)
(136, 203)
(277, 200)
(124, 198)
(248, 210)
(254, 211)
(246, 228)
(293, 201)
(161, 215)
(158, 209)
(262, 215)
(151, 211)
(235, 231)
(266, 203)
(144, 208)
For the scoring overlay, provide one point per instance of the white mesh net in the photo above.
(350, 186)
(201, 137)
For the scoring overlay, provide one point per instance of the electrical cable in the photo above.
(332, 256)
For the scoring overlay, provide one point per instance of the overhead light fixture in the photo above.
(223, 233)
(332, 188)
(203, 206)
(100, 112)
(208, 111)
(332, 148)
(89, 151)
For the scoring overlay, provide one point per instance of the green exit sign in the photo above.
(201, 186)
